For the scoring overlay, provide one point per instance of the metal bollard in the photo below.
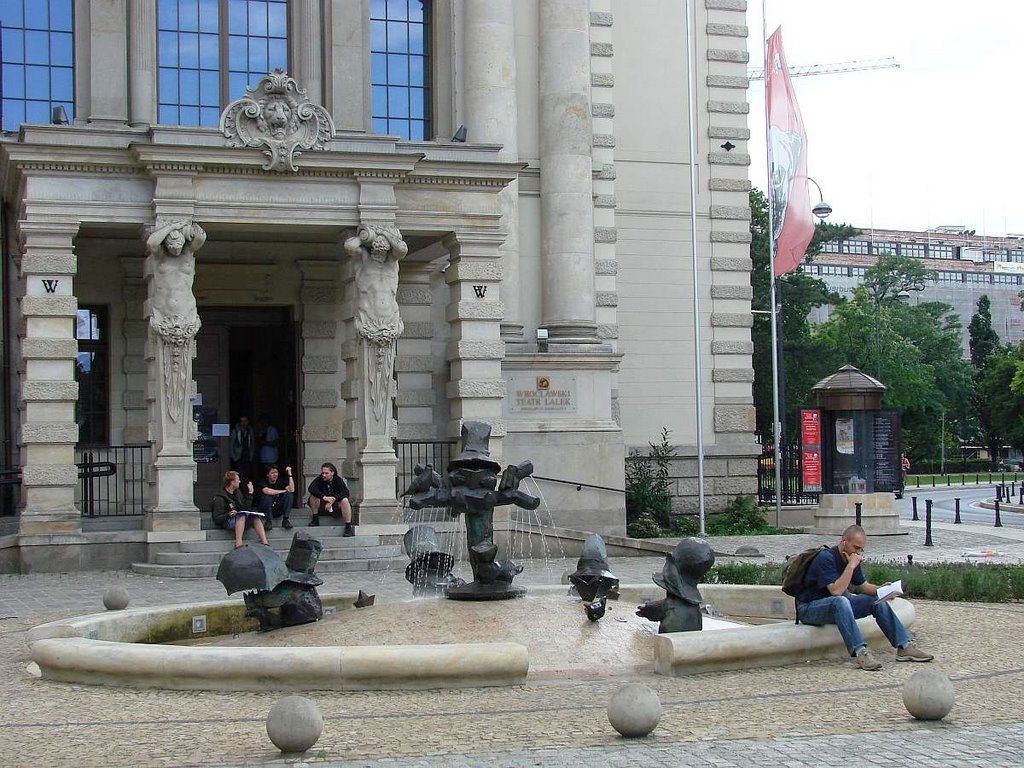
(857, 512)
(999, 523)
(1020, 499)
(913, 504)
(933, 481)
(928, 523)
(999, 493)
(956, 516)
(949, 480)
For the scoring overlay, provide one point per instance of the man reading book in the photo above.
(232, 506)
(826, 599)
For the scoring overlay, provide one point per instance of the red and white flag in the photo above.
(792, 225)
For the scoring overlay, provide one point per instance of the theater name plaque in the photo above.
(537, 395)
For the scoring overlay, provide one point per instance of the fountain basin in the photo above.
(122, 648)
(764, 645)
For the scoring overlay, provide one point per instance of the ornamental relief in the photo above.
(277, 116)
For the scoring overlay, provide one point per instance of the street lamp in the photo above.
(822, 210)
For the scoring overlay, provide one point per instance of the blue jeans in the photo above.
(843, 611)
(278, 505)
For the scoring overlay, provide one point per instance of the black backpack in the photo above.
(795, 572)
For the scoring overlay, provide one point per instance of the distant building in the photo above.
(968, 266)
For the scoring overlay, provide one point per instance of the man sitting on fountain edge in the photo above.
(826, 599)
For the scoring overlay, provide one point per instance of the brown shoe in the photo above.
(912, 653)
(866, 660)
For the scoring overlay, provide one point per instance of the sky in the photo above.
(935, 142)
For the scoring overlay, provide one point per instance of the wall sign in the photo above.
(543, 394)
(810, 450)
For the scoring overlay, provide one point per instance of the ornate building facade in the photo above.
(365, 222)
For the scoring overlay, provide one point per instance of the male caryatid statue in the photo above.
(376, 250)
(174, 319)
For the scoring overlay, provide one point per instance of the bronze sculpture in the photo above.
(593, 581)
(471, 486)
(283, 591)
(680, 610)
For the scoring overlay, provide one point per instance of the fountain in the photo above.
(209, 645)
(471, 487)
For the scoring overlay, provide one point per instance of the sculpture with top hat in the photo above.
(472, 487)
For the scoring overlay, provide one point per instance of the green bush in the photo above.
(649, 489)
(960, 582)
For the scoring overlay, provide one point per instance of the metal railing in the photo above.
(792, 476)
(412, 452)
(113, 480)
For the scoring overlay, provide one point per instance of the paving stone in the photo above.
(802, 715)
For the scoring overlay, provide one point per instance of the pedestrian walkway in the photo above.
(802, 715)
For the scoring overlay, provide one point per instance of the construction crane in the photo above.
(831, 69)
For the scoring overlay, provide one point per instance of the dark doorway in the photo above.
(245, 365)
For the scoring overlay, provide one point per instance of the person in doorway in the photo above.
(826, 599)
(328, 493)
(232, 508)
(269, 439)
(276, 495)
(243, 447)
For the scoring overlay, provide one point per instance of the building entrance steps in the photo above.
(362, 552)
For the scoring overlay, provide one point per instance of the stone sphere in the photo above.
(634, 710)
(294, 724)
(115, 599)
(928, 694)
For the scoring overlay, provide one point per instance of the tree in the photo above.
(985, 347)
(804, 361)
(1003, 394)
(892, 275)
(921, 362)
(982, 337)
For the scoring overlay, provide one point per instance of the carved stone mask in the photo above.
(278, 115)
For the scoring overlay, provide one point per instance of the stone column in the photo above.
(306, 43)
(322, 384)
(374, 252)
(566, 167)
(49, 391)
(173, 319)
(491, 117)
(476, 387)
(103, 31)
(346, 76)
(142, 96)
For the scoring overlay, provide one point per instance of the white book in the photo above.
(889, 591)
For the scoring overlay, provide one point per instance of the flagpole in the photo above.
(691, 109)
(776, 423)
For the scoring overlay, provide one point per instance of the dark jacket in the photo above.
(224, 502)
(336, 488)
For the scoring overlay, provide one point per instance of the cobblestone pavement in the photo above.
(801, 715)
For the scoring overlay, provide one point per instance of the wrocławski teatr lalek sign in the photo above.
(530, 395)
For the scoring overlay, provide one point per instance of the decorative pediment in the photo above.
(277, 116)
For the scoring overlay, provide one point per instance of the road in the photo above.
(943, 505)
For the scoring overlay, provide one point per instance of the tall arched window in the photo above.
(38, 61)
(400, 68)
(211, 50)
